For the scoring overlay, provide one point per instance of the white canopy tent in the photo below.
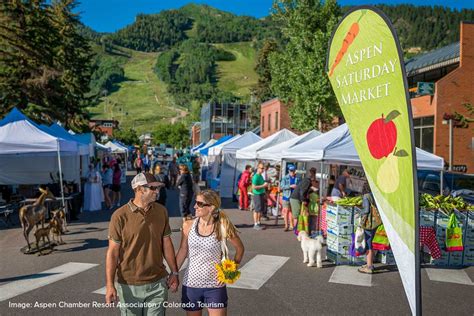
(215, 158)
(29, 155)
(216, 150)
(116, 148)
(230, 165)
(250, 152)
(337, 146)
(274, 153)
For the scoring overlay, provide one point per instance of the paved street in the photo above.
(276, 280)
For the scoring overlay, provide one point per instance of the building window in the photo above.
(263, 123)
(269, 121)
(276, 121)
(424, 133)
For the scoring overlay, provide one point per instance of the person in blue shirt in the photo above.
(287, 185)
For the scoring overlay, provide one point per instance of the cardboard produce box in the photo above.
(427, 217)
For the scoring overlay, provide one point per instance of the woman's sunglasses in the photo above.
(202, 204)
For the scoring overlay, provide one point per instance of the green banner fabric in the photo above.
(365, 67)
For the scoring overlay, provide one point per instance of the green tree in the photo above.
(126, 136)
(263, 91)
(28, 78)
(176, 134)
(72, 60)
(298, 71)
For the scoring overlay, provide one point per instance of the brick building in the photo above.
(273, 117)
(104, 126)
(451, 70)
(196, 134)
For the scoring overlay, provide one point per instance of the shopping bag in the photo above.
(453, 234)
(380, 240)
(371, 220)
(303, 224)
(359, 242)
(313, 205)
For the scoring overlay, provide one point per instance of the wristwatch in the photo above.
(174, 273)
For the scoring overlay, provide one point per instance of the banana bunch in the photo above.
(350, 201)
(445, 203)
(428, 201)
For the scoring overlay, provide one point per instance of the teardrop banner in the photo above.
(366, 71)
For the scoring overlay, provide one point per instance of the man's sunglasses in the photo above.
(153, 188)
(202, 204)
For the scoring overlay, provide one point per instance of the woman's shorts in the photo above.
(116, 187)
(107, 186)
(194, 299)
(369, 236)
(286, 204)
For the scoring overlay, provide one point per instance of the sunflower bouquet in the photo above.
(227, 271)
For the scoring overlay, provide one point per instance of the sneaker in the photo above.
(257, 227)
(366, 269)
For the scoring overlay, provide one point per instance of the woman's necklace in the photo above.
(204, 229)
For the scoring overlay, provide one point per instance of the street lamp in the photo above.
(448, 119)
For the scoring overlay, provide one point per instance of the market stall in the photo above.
(29, 155)
(229, 162)
(338, 221)
(214, 158)
(122, 152)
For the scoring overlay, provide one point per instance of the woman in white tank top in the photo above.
(201, 244)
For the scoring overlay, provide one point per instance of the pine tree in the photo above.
(27, 74)
(73, 55)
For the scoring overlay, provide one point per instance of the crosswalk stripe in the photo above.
(256, 272)
(41, 279)
(101, 291)
(350, 275)
(449, 276)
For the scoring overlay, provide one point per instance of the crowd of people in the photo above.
(264, 193)
(103, 184)
(141, 276)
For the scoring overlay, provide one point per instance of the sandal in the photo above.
(286, 229)
(366, 270)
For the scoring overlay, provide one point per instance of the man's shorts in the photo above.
(194, 299)
(132, 298)
(259, 203)
(295, 207)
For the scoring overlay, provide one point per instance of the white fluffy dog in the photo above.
(312, 248)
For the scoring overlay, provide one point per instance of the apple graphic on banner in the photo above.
(388, 177)
(382, 136)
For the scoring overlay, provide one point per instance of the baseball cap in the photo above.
(291, 168)
(145, 179)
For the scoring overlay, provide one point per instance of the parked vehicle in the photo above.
(453, 183)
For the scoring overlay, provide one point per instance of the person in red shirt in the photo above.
(244, 182)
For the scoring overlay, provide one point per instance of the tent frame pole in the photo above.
(61, 177)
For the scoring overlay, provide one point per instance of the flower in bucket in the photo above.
(227, 271)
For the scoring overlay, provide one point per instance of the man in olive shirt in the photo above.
(139, 238)
(258, 189)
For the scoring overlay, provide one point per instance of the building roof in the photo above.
(256, 130)
(437, 58)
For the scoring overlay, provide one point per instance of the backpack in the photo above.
(371, 220)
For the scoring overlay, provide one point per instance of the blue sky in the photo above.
(111, 15)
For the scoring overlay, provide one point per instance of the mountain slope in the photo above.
(141, 100)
